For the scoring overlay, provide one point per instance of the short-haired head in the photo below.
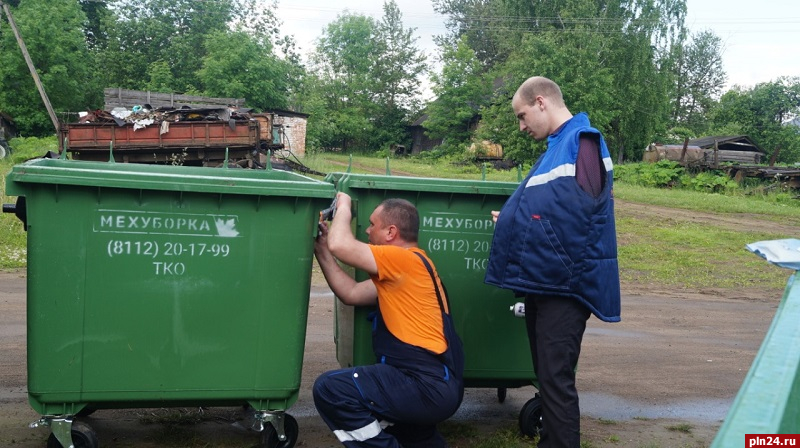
(403, 215)
(539, 86)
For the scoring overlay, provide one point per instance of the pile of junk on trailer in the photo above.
(182, 134)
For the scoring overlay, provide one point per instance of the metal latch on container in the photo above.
(327, 214)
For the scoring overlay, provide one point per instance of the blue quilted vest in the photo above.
(554, 238)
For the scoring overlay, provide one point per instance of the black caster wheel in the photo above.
(86, 411)
(530, 417)
(501, 394)
(83, 436)
(269, 437)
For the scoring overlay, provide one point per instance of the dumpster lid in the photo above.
(165, 177)
(425, 184)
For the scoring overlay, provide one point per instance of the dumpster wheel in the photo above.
(269, 437)
(501, 394)
(83, 436)
(530, 417)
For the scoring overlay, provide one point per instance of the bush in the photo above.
(663, 173)
(712, 181)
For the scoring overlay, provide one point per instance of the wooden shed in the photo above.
(733, 148)
(708, 151)
(419, 141)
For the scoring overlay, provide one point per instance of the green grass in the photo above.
(13, 249)
(776, 206)
(13, 253)
(692, 255)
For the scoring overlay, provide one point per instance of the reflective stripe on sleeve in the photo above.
(360, 434)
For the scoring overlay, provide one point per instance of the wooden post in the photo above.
(683, 152)
(28, 60)
(716, 154)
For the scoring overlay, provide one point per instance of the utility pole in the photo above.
(30, 66)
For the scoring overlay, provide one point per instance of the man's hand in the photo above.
(321, 241)
(495, 215)
(343, 244)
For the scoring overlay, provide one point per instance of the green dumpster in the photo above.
(160, 286)
(456, 231)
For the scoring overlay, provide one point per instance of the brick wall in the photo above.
(294, 129)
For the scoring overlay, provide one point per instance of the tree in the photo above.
(763, 113)
(610, 53)
(365, 81)
(343, 64)
(484, 24)
(97, 14)
(53, 34)
(699, 80)
(237, 65)
(398, 66)
(461, 90)
(159, 77)
(173, 31)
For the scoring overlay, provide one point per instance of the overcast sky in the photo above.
(761, 38)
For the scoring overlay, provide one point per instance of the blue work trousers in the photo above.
(382, 406)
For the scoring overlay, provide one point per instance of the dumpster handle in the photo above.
(226, 158)
(350, 165)
(111, 152)
(388, 171)
(269, 160)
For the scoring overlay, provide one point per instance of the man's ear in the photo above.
(540, 102)
(392, 233)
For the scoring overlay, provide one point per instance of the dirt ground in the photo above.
(663, 377)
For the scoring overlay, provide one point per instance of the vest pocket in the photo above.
(544, 261)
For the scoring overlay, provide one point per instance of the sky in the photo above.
(761, 38)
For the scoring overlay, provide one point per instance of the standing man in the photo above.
(555, 243)
(417, 381)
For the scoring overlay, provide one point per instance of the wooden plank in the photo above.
(118, 97)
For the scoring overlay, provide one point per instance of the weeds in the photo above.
(172, 416)
(681, 427)
(460, 435)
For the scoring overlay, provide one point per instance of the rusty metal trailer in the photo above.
(180, 143)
